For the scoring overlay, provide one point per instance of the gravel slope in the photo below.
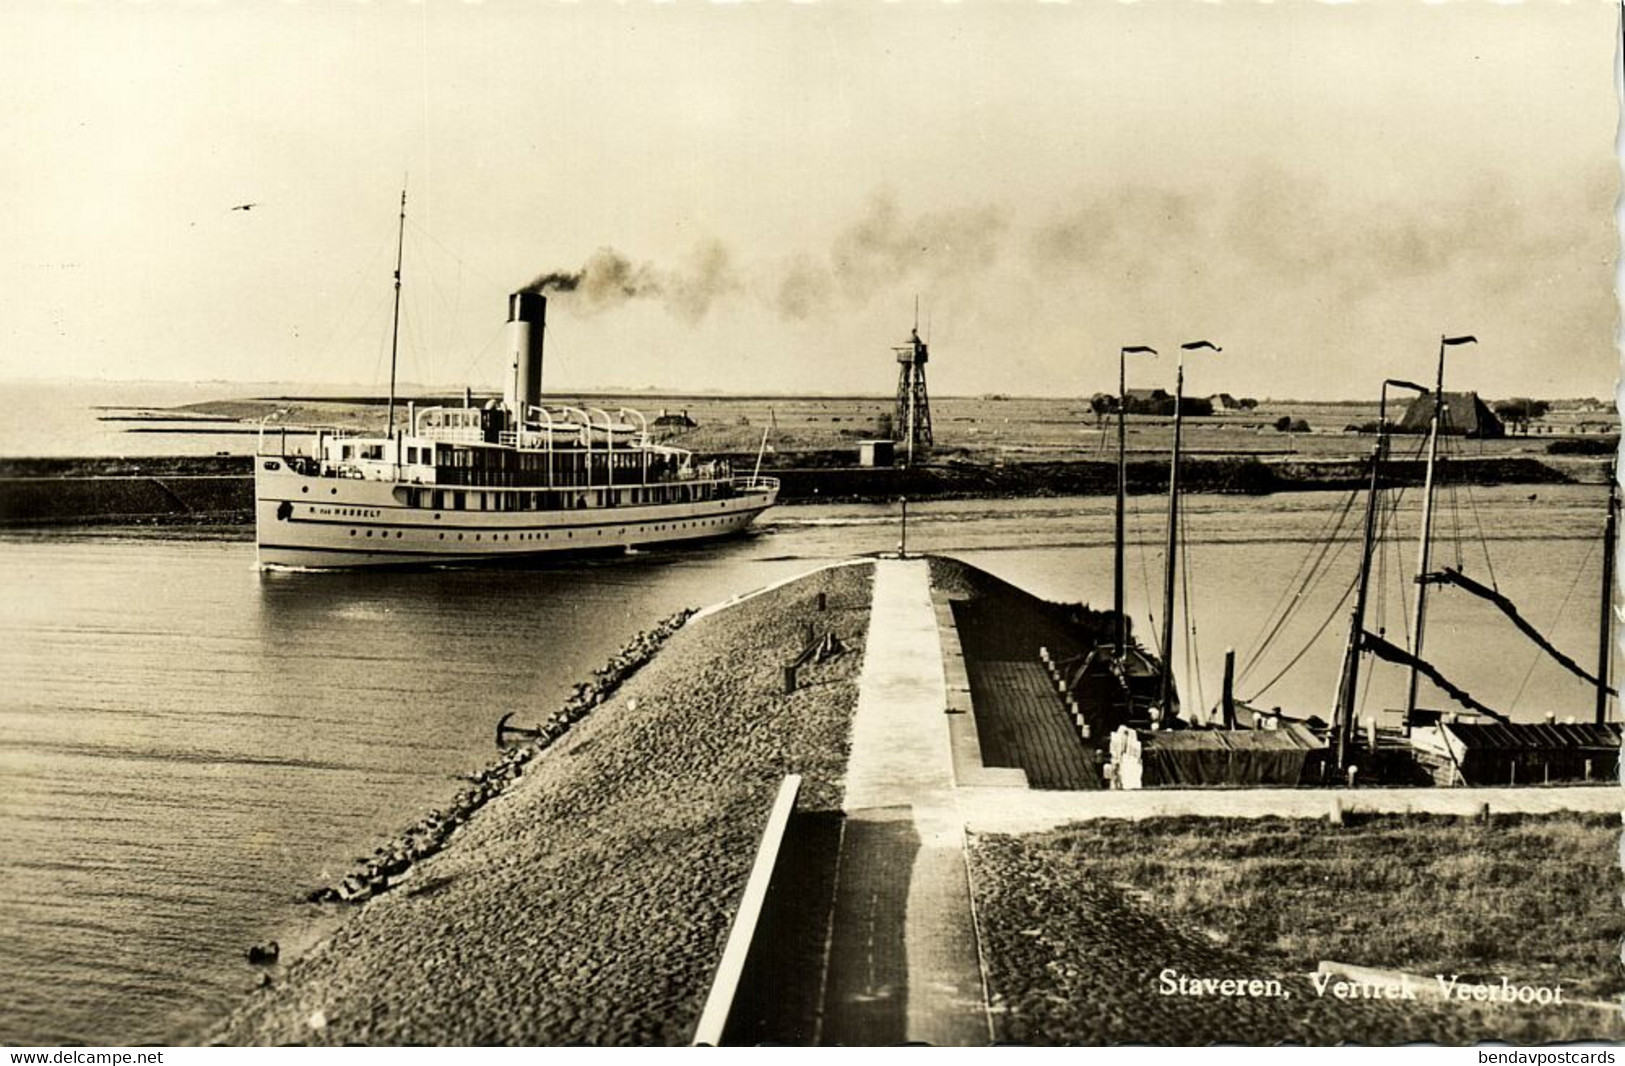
(590, 901)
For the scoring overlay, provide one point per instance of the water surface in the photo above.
(186, 745)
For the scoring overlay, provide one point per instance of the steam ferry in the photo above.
(506, 479)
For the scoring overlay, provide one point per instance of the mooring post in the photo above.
(789, 679)
(822, 600)
(1335, 815)
(1229, 705)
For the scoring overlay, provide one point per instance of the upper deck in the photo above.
(551, 447)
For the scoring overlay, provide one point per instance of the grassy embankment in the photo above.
(1080, 922)
(978, 429)
(590, 901)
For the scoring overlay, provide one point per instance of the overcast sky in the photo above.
(1322, 190)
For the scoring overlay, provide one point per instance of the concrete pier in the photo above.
(903, 963)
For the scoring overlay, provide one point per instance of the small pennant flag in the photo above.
(1194, 345)
(1139, 349)
(1461, 340)
(1408, 385)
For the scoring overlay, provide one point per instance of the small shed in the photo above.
(1286, 756)
(1498, 753)
(876, 452)
(667, 420)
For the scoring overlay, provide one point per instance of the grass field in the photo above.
(988, 429)
(1533, 899)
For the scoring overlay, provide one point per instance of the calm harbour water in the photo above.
(186, 745)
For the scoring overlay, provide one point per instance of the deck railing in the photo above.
(755, 484)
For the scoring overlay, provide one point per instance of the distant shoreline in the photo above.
(218, 491)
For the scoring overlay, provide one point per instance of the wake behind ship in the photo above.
(509, 479)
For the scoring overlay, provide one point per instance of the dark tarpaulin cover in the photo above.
(1286, 756)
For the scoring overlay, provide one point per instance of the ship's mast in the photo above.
(1165, 691)
(1425, 551)
(1605, 640)
(1120, 633)
(395, 332)
(1165, 695)
(1349, 689)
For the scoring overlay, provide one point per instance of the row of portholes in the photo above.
(509, 536)
(384, 534)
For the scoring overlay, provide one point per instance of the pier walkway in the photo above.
(903, 962)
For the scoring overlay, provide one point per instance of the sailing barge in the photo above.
(1126, 708)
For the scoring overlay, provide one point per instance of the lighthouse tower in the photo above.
(913, 419)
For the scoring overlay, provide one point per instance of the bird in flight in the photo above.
(245, 207)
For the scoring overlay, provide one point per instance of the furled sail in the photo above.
(1452, 576)
(1395, 654)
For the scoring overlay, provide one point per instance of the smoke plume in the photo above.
(884, 248)
(608, 280)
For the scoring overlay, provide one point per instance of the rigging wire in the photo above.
(1310, 643)
(1484, 542)
(479, 354)
(412, 224)
(1534, 659)
(1145, 579)
(1316, 572)
(1455, 510)
(1193, 665)
(1321, 537)
(361, 278)
(1387, 516)
(1399, 558)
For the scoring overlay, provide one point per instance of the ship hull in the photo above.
(304, 522)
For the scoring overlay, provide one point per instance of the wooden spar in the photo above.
(1424, 558)
(395, 332)
(1227, 703)
(1605, 638)
(1165, 692)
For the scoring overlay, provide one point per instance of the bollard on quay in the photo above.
(789, 679)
